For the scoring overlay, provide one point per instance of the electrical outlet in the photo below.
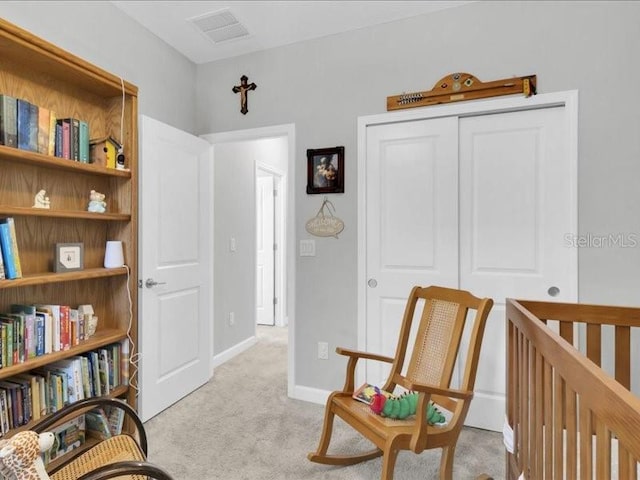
(232, 319)
(323, 350)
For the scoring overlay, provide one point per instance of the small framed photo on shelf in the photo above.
(325, 170)
(68, 257)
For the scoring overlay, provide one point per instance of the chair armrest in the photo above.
(81, 406)
(359, 354)
(432, 389)
(354, 356)
(117, 469)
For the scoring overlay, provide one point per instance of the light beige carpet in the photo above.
(241, 425)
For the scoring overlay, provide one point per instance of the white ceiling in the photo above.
(269, 23)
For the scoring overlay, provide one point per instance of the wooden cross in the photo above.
(244, 89)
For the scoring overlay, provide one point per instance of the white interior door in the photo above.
(265, 277)
(517, 204)
(175, 265)
(411, 222)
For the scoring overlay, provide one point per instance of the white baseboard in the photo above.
(233, 351)
(308, 394)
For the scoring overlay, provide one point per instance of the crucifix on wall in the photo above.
(244, 89)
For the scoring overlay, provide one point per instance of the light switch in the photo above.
(307, 248)
(232, 244)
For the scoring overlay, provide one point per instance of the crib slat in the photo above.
(572, 436)
(538, 421)
(566, 331)
(594, 343)
(558, 414)
(586, 452)
(548, 421)
(624, 459)
(524, 405)
(623, 356)
(603, 452)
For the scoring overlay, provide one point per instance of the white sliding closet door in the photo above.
(516, 207)
(478, 202)
(412, 222)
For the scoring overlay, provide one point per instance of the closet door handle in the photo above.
(373, 283)
(553, 291)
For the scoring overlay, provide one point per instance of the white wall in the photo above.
(235, 216)
(323, 85)
(101, 34)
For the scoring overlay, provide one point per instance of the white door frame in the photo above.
(288, 241)
(568, 100)
(279, 291)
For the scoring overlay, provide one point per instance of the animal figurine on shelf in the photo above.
(20, 457)
(403, 406)
(96, 202)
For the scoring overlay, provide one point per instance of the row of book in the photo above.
(27, 126)
(31, 330)
(10, 266)
(100, 423)
(29, 396)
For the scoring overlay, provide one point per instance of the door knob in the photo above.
(373, 283)
(152, 283)
(553, 291)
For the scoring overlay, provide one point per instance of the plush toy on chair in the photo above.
(20, 455)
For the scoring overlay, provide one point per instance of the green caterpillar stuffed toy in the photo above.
(403, 406)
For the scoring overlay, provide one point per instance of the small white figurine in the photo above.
(96, 202)
(41, 200)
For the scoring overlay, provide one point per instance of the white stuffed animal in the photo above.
(20, 457)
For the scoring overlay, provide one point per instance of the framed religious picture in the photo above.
(325, 170)
(68, 257)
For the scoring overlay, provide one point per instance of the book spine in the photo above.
(84, 141)
(75, 139)
(8, 121)
(14, 245)
(2, 274)
(33, 127)
(7, 252)
(44, 116)
(51, 149)
(66, 138)
(65, 328)
(24, 116)
(58, 140)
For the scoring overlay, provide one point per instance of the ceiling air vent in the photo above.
(220, 26)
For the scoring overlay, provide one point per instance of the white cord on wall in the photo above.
(134, 357)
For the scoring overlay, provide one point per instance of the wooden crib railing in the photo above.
(557, 390)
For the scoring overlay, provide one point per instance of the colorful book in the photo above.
(7, 252)
(51, 150)
(75, 139)
(366, 392)
(13, 238)
(98, 423)
(83, 139)
(29, 312)
(58, 140)
(2, 274)
(44, 117)
(68, 436)
(27, 125)
(115, 417)
(65, 141)
(8, 121)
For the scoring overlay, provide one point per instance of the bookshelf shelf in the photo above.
(100, 339)
(49, 277)
(54, 213)
(52, 79)
(37, 159)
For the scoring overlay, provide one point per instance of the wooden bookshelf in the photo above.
(47, 76)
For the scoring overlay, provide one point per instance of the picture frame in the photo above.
(68, 257)
(325, 170)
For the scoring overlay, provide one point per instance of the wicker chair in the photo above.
(121, 456)
(429, 373)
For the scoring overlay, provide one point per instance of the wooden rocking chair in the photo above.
(429, 373)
